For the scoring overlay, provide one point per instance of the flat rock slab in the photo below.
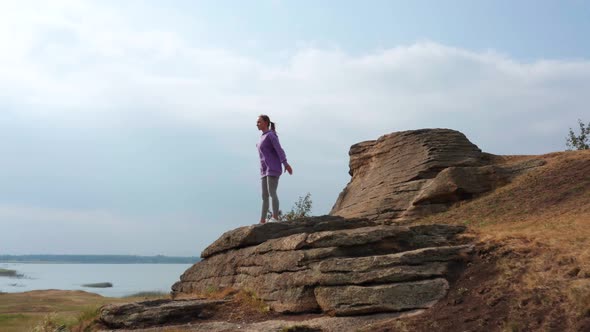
(157, 312)
(357, 300)
(256, 234)
(317, 324)
(414, 257)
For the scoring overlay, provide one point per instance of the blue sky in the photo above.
(129, 127)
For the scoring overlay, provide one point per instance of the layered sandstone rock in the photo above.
(156, 312)
(300, 266)
(406, 175)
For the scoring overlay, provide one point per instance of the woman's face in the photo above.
(261, 124)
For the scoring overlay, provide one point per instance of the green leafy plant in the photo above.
(301, 209)
(580, 141)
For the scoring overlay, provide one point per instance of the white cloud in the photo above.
(80, 57)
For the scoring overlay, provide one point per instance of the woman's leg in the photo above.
(273, 184)
(264, 200)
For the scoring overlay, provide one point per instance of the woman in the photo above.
(271, 157)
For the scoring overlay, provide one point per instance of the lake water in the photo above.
(126, 278)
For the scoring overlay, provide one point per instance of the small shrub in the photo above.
(51, 323)
(86, 320)
(301, 209)
(580, 141)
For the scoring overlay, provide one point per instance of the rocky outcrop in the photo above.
(248, 236)
(364, 258)
(156, 312)
(406, 175)
(301, 266)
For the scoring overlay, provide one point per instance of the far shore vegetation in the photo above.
(98, 259)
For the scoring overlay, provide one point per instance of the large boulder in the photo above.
(295, 266)
(407, 175)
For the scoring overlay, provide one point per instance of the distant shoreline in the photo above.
(96, 259)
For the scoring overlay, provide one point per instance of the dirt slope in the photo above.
(532, 271)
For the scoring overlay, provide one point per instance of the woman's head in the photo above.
(264, 123)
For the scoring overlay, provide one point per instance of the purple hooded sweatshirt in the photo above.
(271, 154)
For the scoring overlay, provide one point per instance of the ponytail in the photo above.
(271, 124)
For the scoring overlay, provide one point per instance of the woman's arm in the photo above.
(274, 139)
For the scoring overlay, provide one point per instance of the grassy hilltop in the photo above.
(533, 267)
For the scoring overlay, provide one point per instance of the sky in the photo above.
(129, 127)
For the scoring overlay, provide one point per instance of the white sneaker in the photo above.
(272, 219)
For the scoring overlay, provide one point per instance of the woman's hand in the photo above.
(289, 169)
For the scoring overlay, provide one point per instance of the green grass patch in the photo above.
(17, 322)
(4, 318)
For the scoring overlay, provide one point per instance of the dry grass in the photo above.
(541, 221)
(243, 305)
(210, 294)
(249, 300)
(243, 299)
(47, 309)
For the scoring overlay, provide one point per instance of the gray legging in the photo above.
(269, 187)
